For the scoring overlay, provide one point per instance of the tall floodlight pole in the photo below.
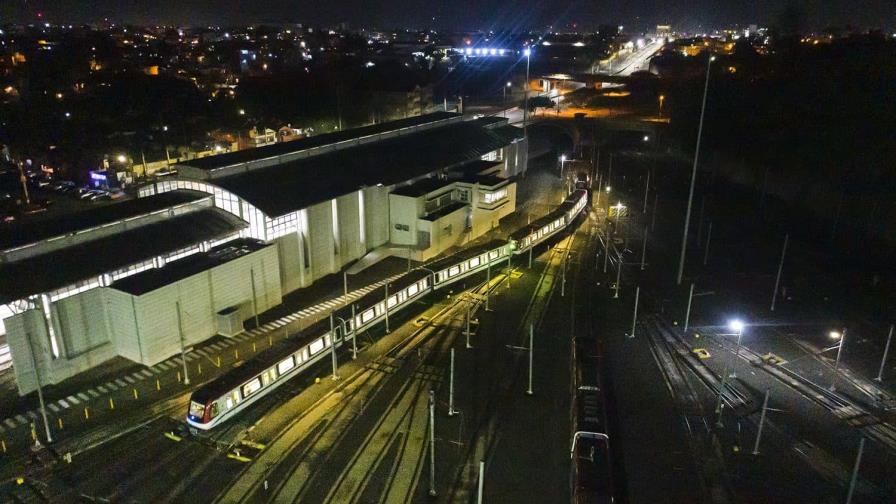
(687, 215)
(780, 268)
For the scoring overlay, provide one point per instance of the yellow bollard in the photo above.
(219, 361)
(199, 367)
(158, 385)
(236, 354)
(59, 421)
(111, 404)
(253, 347)
(270, 341)
(33, 432)
(178, 376)
(3, 445)
(135, 394)
(86, 414)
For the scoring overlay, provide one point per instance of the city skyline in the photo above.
(516, 15)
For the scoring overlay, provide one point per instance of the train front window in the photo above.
(196, 409)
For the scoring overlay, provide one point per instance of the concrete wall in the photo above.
(404, 211)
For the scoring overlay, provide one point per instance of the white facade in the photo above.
(101, 323)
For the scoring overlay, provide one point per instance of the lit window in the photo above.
(286, 365)
(474, 262)
(316, 346)
(251, 387)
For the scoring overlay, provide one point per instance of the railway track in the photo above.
(851, 412)
(402, 374)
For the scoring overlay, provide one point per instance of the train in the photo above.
(221, 399)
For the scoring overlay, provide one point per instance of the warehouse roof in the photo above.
(57, 269)
(39, 229)
(152, 279)
(294, 185)
(278, 149)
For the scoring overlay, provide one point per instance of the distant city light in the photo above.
(121, 158)
(527, 52)
(736, 325)
(579, 44)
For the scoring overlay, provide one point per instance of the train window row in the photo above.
(468, 265)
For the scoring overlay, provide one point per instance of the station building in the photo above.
(197, 254)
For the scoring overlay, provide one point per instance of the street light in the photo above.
(737, 326)
(646, 138)
(504, 100)
(562, 162)
(841, 337)
(121, 158)
(687, 215)
(662, 99)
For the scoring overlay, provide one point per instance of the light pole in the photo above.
(841, 336)
(687, 215)
(562, 163)
(662, 98)
(883, 360)
(738, 327)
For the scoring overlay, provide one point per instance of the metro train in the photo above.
(541, 229)
(222, 398)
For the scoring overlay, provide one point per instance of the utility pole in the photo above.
(467, 332)
(687, 215)
(761, 423)
(883, 360)
(432, 443)
(780, 268)
(180, 332)
(635, 316)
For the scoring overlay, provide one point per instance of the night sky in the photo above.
(456, 14)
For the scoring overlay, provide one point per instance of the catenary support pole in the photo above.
(761, 423)
(40, 393)
(354, 335)
(254, 296)
(531, 356)
(180, 333)
(687, 314)
(451, 411)
(644, 249)
(432, 443)
(333, 347)
(855, 471)
(635, 316)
